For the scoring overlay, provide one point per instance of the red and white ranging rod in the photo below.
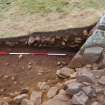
(3, 53)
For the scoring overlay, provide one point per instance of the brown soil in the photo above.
(25, 77)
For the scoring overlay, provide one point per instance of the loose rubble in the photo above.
(86, 88)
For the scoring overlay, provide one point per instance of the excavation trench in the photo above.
(16, 73)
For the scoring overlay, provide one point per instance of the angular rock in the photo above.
(43, 86)
(59, 100)
(36, 97)
(92, 54)
(52, 92)
(26, 102)
(102, 80)
(88, 52)
(85, 75)
(18, 99)
(64, 72)
(89, 91)
(80, 99)
(73, 88)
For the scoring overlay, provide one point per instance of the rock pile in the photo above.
(87, 87)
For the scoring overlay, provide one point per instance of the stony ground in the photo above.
(80, 86)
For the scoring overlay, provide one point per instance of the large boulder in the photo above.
(92, 50)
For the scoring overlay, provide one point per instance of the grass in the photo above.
(46, 6)
(13, 13)
(33, 6)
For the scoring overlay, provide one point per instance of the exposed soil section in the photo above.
(28, 71)
(69, 38)
(11, 67)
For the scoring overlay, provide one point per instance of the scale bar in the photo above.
(2, 53)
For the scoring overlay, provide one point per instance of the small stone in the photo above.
(15, 82)
(14, 94)
(102, 80)
(13, 78)
(89, 91)
(2, 90)
(95, 103)
(29, 67)
(99, 90)
(85, 75)
(27, 102)
(43, 86)
(88, 66)
(52, 92)
(64, 72)
(85, 32)
(30, 63)
(31, 40)
(7, 99)
(59, 63)
(18, 99)
(73, 76)
(24, 90)
(3, 102)
(6, 77)
(80, 99)
(73, 88)
(36, 97)
(20, 56)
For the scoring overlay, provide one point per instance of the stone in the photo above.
(73, 88)
(24, 90)
(6, 77)
(85, 75)
(98, 73)
(29, 67)
(92, 54)
(96, 103)
(80, 99)
(6, 99)
(52, 92)
(18, 99)
(59, 99)
(43, 86)
(31, 40)
(36, 97)
(13, 78)
(27, 102)
(20, 56)
(102, 80)
(3, 102)
(89, 91)
(64, 72)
